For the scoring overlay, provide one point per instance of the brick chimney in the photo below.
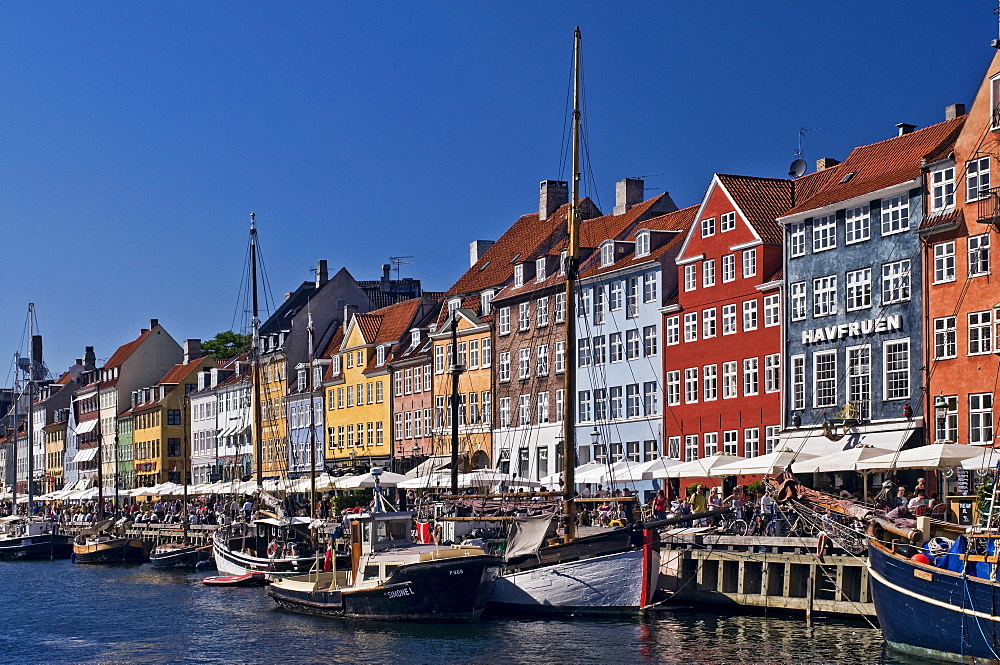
(952, 111)
(192, 350)
(826, 162)
(477, 248)
(551, 195)
(322, 276)
(628, 192)
(89, 358)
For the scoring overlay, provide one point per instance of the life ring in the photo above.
(822, 542)
(272, 550)
(616, 523)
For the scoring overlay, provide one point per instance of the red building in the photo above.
(722, 334)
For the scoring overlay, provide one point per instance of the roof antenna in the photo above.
(996, 42)
(399, 261)
(798, 167)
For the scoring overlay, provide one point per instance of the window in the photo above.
(407, 425)
(524, 364)
(977, 179)
(542, 407)
(408, 378)
(945, 338)
(711, 382)
(824, 233)
(632, 344)
(649, 287)
(942, 189)
(473, 363)
(504, 412)
(944, 262)
(418, 430)
(439, 411)
(632, 298)
(649, 341)
(540, 270)
(711, 443)
(599, 346)
(749, 262)
(487, 360)
(599, 302)
(750, 376)
(486, 297)
(585, 299)
(524, 316)
(858, 223)
(617, 293)
(542, 312)
(797, 239)
(560, 307)
(673, 388)
(730, 440)
(708, 227)
(896, 282)
(946, 426)
(600, 404)
(980, 419)
(772, 311)
(650, 397)
(350, 396)
(859, 289)
(642, 244)
(561, 356)
(519, 275)
(708, 273)
(691, 385)
(980, 332)
(486, 397)
(690, 447)
(729, 319)
(797, 300)
(771, 437)
(559, 406)
(633, 401)
(504, 371)
(583, 356)
(798, 383)
(650, 451)
(542, 360)
(691, 327)
(749, 315)
(727, 221)
(173, 447)
(708, 323)
(523, 410)
(617, 348)
(504, 323)
(729, 380)
(825, 296)
(979, 255)
(728, 267)
(173, 416)
(542, 461)
(584, 413)
(673, 330)
(751, 442)
(607, 253)
(859, 379)
(674, 447)
(772, 373)
(825, 378)
(690, 277)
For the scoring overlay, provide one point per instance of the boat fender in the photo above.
(272, 549)
(822, 543)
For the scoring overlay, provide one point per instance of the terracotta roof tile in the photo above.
(679, 221)
(762, 201)
(126, 350)
(178, 372)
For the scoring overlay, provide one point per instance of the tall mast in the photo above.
(312, 422)
(100, 454)
(572, 268)
(456, 371)
(13, 448)
(255, 357)
(186, 403)
(31, 404)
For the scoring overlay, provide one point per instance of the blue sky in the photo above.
(136, 138)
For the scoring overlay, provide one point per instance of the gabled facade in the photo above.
(722, 333)
(853, 299)
(220, 423)
(412, 397)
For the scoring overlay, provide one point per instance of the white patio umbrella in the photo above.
(142, 491)
(491, 477)
(933, 456)
(433, 480)
(634, 472)
(602, 474)
(770, 464)
(845, 460)
(385, 479)
(699, 468)
(987, 459)
(324, 482)
(556, 478)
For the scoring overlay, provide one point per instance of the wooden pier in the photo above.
(780, 574)
(155, 534)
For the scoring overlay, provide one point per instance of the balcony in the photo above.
(989, 208)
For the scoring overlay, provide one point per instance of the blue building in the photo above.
(853, 288)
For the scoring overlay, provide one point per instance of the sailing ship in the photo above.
(22, 538)
(609, 572)
(392, 578)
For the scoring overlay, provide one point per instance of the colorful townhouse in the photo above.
(962, 301)
(220, 423)
(412, 397)
(623, 288)
(722, 332)
(854, 290)
(530, 340)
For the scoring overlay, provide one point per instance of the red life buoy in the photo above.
(821, 544)
(272, 549)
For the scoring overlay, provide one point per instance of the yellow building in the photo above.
(273, 418)
(475, 396)
(358, 386)
(55, 454)
(160, 443)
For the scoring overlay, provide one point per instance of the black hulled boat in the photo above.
(26, 539)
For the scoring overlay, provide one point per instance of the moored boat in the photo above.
(249, 579)
(32, 539)
(266, 546)
(103, 545)
(178, 555)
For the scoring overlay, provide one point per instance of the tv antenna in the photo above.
(398, 262)
(798, 166)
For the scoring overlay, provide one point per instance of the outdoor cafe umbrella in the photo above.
(555, 479)
(633, 472)
(491, 477)
(986, 459)
(384, 479)
(844, 460)
(699, 468)
(432, 480)
(770, 464)
(932, 456)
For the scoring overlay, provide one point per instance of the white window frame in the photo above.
(673, 384)
(750, 262)
(772, 373)
(641, 244)
(857, 222)
(691, 327)
(673, 330)
(751, 376)
(707, 273)
(944, 262)
(710, 382)
(824, 233)
(690, 277)
(503, 320)
(728, 267)
(691, 385)
(945, 338)
(896, 282)
(977, 179)
(858, 289)
(708, 227)
(727, 221)
(772, 310)
(797, 239)
(798, 373)
(980, 333)
(708, 324)
(797, 306)
(749, 315)
(824, 296)
(825, 387)
(542, 312)
(729, 324)
(730, 380)
(978, 254)
(942, 189)
(980, 419)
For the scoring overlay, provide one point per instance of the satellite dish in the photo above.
(797, 168)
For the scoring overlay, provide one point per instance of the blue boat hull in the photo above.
(934, 613)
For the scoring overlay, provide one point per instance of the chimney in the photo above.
(905, 128)
(826, 162)
(477, 248)
(952, 111)
(349, 311)
(89, 358)
(628, 192)
(322, 276)
(552, 194)
(192, 350)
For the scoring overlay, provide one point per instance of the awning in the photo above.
(232, 430)
(87, 426)
(812, 442)
(85, 455)
(429, 466)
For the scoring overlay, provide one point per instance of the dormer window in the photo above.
(361, 357)
(336, 364)
(303, 378)
(454, 304)
(317, 375)
(518, 275)
(540, 269)
(607, 254)
(414, 338)
(562, 262)
(642, 244)
(380, 355)
(942, 189)
(486, 299)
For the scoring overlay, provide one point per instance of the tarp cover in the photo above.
(527, 535)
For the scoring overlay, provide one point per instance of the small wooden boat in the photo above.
(178, 555)
(249, 579)
(102, 545)
(32, 539)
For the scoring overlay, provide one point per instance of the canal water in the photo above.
(58, 612)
